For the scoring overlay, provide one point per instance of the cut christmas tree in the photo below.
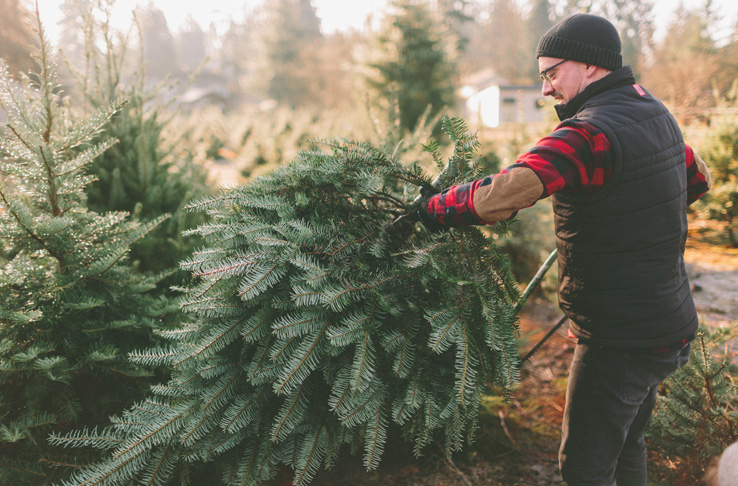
(323, 314)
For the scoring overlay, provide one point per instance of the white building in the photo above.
(490, 101)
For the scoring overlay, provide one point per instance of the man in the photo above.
(621, 178)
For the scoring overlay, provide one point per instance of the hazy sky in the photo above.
(334, 14)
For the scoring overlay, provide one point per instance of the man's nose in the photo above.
(547, 89)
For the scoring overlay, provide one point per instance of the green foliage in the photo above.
(697, 419)
(412, 65)
(322, 318)
(146, 173)
(720, 152)
(70, 305)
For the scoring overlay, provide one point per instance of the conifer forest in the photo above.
(212, 271)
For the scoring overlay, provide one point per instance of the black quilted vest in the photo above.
(622, 280)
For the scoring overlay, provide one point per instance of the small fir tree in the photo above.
(697, 418)
(70, 305)
(721, 154)
(412, 68)
(324, 315)
(145, 174)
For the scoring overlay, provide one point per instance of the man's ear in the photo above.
(594, 72)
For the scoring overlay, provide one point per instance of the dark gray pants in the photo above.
(609, 399)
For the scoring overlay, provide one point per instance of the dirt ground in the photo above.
(713, 274)
(517, 442)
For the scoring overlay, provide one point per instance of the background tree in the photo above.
(410, 64)
(504, 35)
(16, 36)
(728, 55)
(191, 45)
(458, 15)
(685, 64)
(71, 306)
(536, 24)
(288, 38)
(141, 174)
(229, 59)
(334, 81)
(634, 21)
(72, 33)
(720, 150)
(160, 50)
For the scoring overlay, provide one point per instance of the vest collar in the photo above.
(620, 77)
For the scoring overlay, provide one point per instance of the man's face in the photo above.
(563, 81)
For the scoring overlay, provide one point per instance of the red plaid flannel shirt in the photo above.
(577, 156)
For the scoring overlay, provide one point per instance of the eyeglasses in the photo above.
(544, 74)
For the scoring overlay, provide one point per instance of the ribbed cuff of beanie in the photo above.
(550, 46)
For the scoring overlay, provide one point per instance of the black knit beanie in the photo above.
(585, 38)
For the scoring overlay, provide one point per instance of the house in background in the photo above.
(489, 101)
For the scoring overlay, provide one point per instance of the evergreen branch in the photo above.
(363, 368)
(228, 426)
(261, 357)
(339, 399)
(84, 438)
(215, 341)
(205, 290)
(265, 276)
(191, 433)
(51, 180)
(253, 453)
(463, 347)
(228, 269)
(314, 454)
(90, 128)
(226, 387)
(295, 406)
(375, 445)
(163, 465)
(256, 327)
(355, 416)
(29, 231)
(140, 442)
(98, 475)
(22, 140)
(294, 325)
(303, 297)
(438, 342)
(154, 356)
(351, 327)
(285, 347)
(45, 78)
(400, 360)
(306, 359)
(400, 416)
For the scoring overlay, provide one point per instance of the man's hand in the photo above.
(430, 223)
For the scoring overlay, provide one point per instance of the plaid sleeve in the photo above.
(454, 207)
(575, 157)
(698, 181)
